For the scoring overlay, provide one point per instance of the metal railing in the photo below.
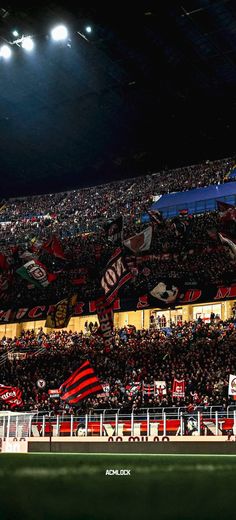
(148, 423)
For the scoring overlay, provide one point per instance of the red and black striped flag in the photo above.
(81, 384)
(11, 395)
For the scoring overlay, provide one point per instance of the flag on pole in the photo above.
(36, 273)
(53, 247)
(81, 384)
(140, 242)
(115, 276)
(60, 314)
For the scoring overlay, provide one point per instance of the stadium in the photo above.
(118, 261)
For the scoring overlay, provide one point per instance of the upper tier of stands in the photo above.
(189, 251)
(198, 200)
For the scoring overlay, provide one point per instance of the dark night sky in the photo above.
(152, 88)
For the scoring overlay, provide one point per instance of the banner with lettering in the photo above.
(105, 318)
(186, 296)
(178, 388)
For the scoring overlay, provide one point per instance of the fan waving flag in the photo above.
(140, 242)
(81, 384)
(115, 276)
(178, 388)
(60, 314)
(11, 395)
(53, 247)
(36, 273)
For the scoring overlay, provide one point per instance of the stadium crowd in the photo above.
(183, 249)
(203, 354)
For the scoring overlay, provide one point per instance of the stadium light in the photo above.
(27, 43)
(5, 52)
(59, 33)
(88, 29)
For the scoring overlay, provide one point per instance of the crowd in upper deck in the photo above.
(182, 249)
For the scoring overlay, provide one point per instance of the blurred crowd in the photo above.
(203, 354)
(183, 249)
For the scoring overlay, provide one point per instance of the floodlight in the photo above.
(5, 52)
(15, 33)
(88, 29)
(59, 33)
(27, 43)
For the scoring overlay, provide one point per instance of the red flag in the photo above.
(11, 395)
(81, 384)
(178, 388)
(53, 247)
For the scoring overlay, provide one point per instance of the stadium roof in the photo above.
(151, 87)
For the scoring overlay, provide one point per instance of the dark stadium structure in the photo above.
(149, 88)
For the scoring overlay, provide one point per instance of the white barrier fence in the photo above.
(148, 424)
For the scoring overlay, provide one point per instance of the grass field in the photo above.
(76, 487)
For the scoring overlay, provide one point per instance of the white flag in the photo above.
(230, 243)
(232, 385)
(160, 388)
(140, 242)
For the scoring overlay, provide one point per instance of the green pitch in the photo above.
(76, 487)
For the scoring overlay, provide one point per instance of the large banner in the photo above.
(105, 318)
(116, 275)
(59, 316)
(146, 301)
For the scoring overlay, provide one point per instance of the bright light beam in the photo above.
(27, 43)
(5, 52)
(59, 33)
